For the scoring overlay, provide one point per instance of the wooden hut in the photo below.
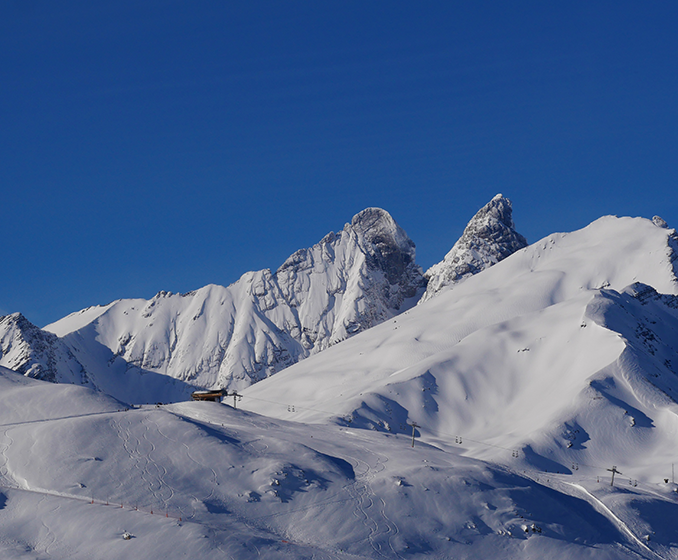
(214, 396)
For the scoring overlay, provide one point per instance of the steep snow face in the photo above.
(489, 237)
(35, 353)
(521, 356)
(264, 322)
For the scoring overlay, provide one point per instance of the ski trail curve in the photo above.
(607, 512)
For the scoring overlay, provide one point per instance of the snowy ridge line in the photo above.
(575, 464)
(556, 476)
(343, 415)
(460, 437)
(91, 500)
(559, 477)
(512, 449)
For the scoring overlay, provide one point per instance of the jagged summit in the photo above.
(384, 241)
(32, 352)
(489, 237)
(659, 222)
(266, 321)
(377, 227)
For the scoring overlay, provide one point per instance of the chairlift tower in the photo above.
(414, 425)
(614, 471)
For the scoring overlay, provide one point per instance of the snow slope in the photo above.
(556, 354)
(236, 335)
(526, 383)
(202, 480)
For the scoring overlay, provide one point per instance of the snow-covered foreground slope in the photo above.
(555, 354)
(233, 336)
(202, 480)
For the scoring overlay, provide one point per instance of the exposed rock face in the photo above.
(489, 237)
(387, 247)
(234, 336)
(659, 222)
(36, 353)
(369, 273)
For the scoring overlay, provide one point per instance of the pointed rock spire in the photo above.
(489, 237)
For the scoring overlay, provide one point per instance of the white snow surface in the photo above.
(526, 383)
(561, 352)
(82, 476)
(232, 336)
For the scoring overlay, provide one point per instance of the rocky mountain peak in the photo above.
(659, 222)
(385, 243)
(15, 318)
(32, 352)
(489, 237)
(499, 210)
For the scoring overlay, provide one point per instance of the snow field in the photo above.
(546, 363)
(250, 486)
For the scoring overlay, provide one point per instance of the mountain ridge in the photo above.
(236, 335)
(514, 355)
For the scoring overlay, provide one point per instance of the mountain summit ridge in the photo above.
(488, 238)
(234, 336)
(160, 349)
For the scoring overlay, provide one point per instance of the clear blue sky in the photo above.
(148, 145)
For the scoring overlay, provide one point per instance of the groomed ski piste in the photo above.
(527, 385)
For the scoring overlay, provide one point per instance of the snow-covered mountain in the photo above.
(236, 335)
(564, 352)
(158, 350)
(489, 237)
(36, 353)
(526, 384)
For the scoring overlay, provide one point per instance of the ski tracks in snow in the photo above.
(379, 525)
(50, 539)
(8, 478)
(140, 450)
(180, 444)
(5, 478)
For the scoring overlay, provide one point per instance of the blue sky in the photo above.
(171, 144)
